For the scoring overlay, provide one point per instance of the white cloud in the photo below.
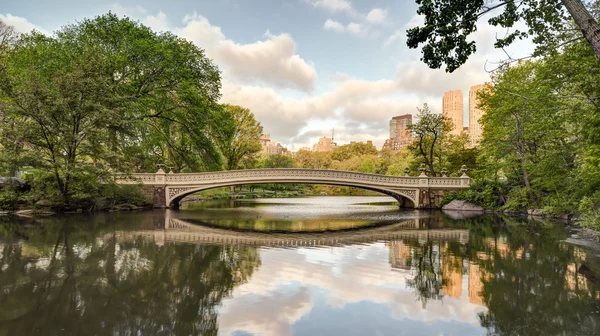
(272, 61)
(335, 6)
(353, 27)
(356, 29)
(397, 36)
(339, 274)
(20, 24)
(198, 30)
(286, 117)
(334, 25)
(377, 15)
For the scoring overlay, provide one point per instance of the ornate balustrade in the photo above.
(172, 187)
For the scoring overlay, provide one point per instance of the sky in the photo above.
(303, 67)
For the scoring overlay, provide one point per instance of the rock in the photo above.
(535, 212)
(4, 213)
(101, 204)
(459, 205)
(511, 212)
(456, 214)
(24, 212)
(565, 216)
(43, 203)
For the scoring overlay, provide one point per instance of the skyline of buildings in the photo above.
(453, 107)
(270, 147)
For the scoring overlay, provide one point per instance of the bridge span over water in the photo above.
(183, 231)
(167, 189)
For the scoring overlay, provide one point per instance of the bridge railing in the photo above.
(293, 175)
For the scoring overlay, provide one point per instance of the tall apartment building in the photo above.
(453, 109)
(399, 132)
(269, 146)
(399, 126)
(324, 145)
(475, 114)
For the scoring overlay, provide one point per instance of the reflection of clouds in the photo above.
(346, 275)
(127, 261)
(271, 314)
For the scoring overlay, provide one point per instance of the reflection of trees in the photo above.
(71, 282)
(427, 281)
(529, 279)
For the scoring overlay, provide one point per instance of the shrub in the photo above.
(486, 193)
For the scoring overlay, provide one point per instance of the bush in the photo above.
(517, 199)
(486, 193)
(589, 206)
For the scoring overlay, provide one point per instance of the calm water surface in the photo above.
(306, 266)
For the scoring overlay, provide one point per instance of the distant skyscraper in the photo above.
(452, 108)
(399, 127)
(270, 147)
(399, 132)
(324, 145)
(475, 114)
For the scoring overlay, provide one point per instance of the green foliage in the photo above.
(589, 206)
(448, 25)
(486, 193)
(107, 93)
(239, 139)
(9, 197)
(278, 161)
(345, 152)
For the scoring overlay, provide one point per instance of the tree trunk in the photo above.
(586, 22)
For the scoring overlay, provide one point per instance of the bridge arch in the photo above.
(421, 191)
(405, 198)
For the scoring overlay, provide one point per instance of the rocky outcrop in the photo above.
(459, 205)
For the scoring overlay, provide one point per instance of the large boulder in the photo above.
(460, 205)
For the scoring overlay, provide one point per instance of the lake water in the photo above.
(305, 266)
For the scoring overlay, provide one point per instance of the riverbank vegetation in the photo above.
(541, 127)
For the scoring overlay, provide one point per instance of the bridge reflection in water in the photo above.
(178, 230)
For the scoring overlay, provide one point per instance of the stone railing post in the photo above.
(159, 177)
(465, 179)
(159, 199)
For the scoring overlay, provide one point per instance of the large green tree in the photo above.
(240, 139)
(430, 131)
(448, 24)
(110, 93)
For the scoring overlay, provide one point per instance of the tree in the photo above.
(449, 24)
(110, 93)
(345, 152)
(429, 133)
(241, 138)
(313, 160)
(278, 161)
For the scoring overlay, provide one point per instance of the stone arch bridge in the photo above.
(167, 190)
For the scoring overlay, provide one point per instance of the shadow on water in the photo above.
(122, 274)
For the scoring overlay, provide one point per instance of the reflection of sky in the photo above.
(348, 290)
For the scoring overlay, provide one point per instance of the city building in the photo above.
(475, 114)
(324, 145)
(400, 135)
(269, 146)
(453, 109)
(451, 273)
(399, 255)
(399, 126)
